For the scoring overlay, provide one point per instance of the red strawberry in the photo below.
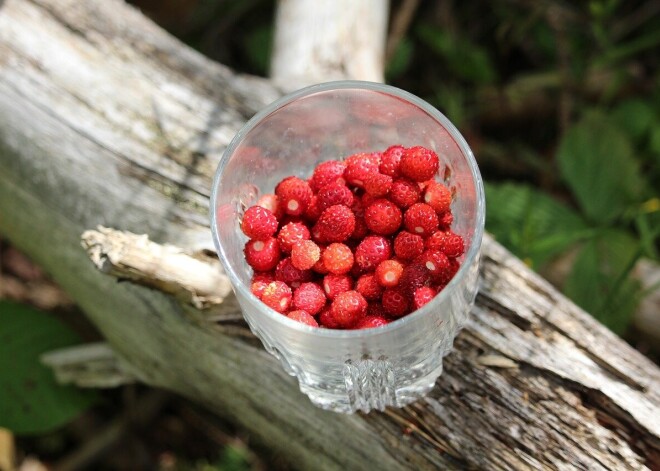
(377, 184)
(414, 276)
(292, 276)
(383, 217)
(408, 246)
(313, 211)
(348, 308)
(422, 296)
(262, 255)
(271, 203)
(336, 284)
(334, 193)
(338, 258)
(259, 223)
(368, 286)
(294, 195)
(419, 163)
(421, 219)
(290, 234)
(375, 309)
(435, 262)
(258, 288)
(361, 230)
(389, 164)
(445, 220)
(395, 302)
(304, 317)
(327, 320)
(388, 273)
(371, 251)
(438, 196)
(359, 166)
(305, 254)
(309, 297)
(326, 173)
(277, 296)
(336, 224)
(448, 242)
(265, 277)
(404, 192)
(371, 321)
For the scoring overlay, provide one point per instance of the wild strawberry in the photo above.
(271, 203)
(383, 217)
(277, 296)
(335, 224)
(326, 173)
(388, 273)
(395, 302)
(292, 276)
(454, 245)
(334, 193)
(435, 262)
(445, 220)
(319, 267)
(368, 286)
(375, 309)
(348, 308)
(259, 223)
(437, 196)
(258, 288)
(305, 254)
(371, 251)
(448, 242)
(309, 297)
(262, 255)
(327, 320)
(404, 193)
(377, 184)
(359, 166)
(294, 195)
(313, 211)
(389, 164)
(361, 230)
(338, 258)
(408, 246)
(421, 219)
(292, 233)
(336, 284)
(414, 276)
(422, 296)
(303, 317)
(419, 163)
(371, 321)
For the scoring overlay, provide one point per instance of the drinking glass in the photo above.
(349, 370)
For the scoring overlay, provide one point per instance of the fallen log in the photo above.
(105, 119)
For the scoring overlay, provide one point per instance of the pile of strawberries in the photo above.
(364, 241)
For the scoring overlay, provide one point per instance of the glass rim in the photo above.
(479, 217)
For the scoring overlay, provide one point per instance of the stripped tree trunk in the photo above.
(105, 119)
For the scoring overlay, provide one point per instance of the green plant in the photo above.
(31, 402)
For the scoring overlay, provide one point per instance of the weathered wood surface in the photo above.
(321, 41)
(104, 119)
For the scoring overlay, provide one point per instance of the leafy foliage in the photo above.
(30, 399)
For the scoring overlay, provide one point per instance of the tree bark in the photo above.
(105, 119)
(322, 41)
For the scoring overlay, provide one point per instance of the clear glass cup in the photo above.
(349, 370)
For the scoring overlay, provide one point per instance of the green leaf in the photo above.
(30, 399)
(596, 159)
(258, 48)
(635, 117)
(530, 223)
(600, 280)
(400, 60)
(467, 60)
